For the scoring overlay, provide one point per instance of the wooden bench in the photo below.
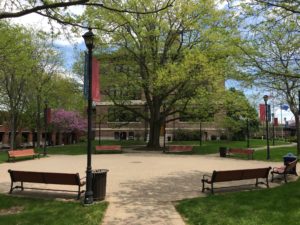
(180, 148)
(290, 168)
(46, 178)
(248, 152)
(104, 148)
(234, 175)
(13, 154)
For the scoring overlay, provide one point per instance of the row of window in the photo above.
(117, 114)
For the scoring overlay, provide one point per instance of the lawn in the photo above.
(81, 148)
(210, 147)
(20, 210)
(276, 154)
(274, 206)
(254, 143)
(3, 157)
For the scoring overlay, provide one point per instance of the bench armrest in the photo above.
(206, 177)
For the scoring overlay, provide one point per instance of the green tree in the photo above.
(173, 54)
(15, 70)
(238, 112)
(272, 60)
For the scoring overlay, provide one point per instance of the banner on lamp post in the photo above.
(95, 79)
(262, 112)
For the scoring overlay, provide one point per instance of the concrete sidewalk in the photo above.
(141, 188)
(276, 146)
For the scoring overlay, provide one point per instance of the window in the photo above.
(118, 114)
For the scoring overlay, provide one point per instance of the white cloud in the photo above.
(38, 22)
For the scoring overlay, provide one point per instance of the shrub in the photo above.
(186, 135)
(213, 137)
(223, 137)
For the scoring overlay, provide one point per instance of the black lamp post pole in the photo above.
(248, 134)
(273, 128)
(267, 126)
(200, 130)
(88, 199)
(46, 126)
(99, 130)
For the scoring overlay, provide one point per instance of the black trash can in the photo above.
(99, 184)
(290, 157)
(223, 151)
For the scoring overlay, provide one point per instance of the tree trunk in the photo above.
(12, 131)
(154, 134)
(155, 125)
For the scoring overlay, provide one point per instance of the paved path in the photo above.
(276, 146)
(142, 187)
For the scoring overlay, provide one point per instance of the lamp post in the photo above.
(46, 126)
(248, 133)
(267, 127)
(89, 42)
(273, 128)
(99, 117)
(200, 131)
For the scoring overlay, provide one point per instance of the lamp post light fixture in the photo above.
(46, 126)
(267, 126)
(89, 42)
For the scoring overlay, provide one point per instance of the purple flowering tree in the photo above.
(68, 121)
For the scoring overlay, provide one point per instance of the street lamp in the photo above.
(89, 42)
(248, 133)
(99, 118)
(46, 126)
(267, 128)
(200, 132)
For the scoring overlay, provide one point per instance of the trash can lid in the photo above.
(100, 171)
(291, 155)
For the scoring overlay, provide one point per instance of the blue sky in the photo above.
(69, 53)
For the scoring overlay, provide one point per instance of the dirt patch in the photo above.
(11, 211)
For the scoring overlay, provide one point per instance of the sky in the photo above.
(70, 47)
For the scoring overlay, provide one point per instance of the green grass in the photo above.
(81, 148)
(3, 157)
(48, 212)
(276, 154)
(254, 143)
(274, 206)
(211, 147)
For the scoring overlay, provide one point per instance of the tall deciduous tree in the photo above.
(15, 70)
(61, 10)
(172, 55)
(272, 59)
(238, 112)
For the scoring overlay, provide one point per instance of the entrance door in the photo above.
(123, 136)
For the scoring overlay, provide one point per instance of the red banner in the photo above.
(95, 79)
(47, 114)
(262, 112)
(275, 122)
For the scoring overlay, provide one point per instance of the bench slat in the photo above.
(180, 148)
(21, 153)
(108, 147)
(234, 175)
(46, 178)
